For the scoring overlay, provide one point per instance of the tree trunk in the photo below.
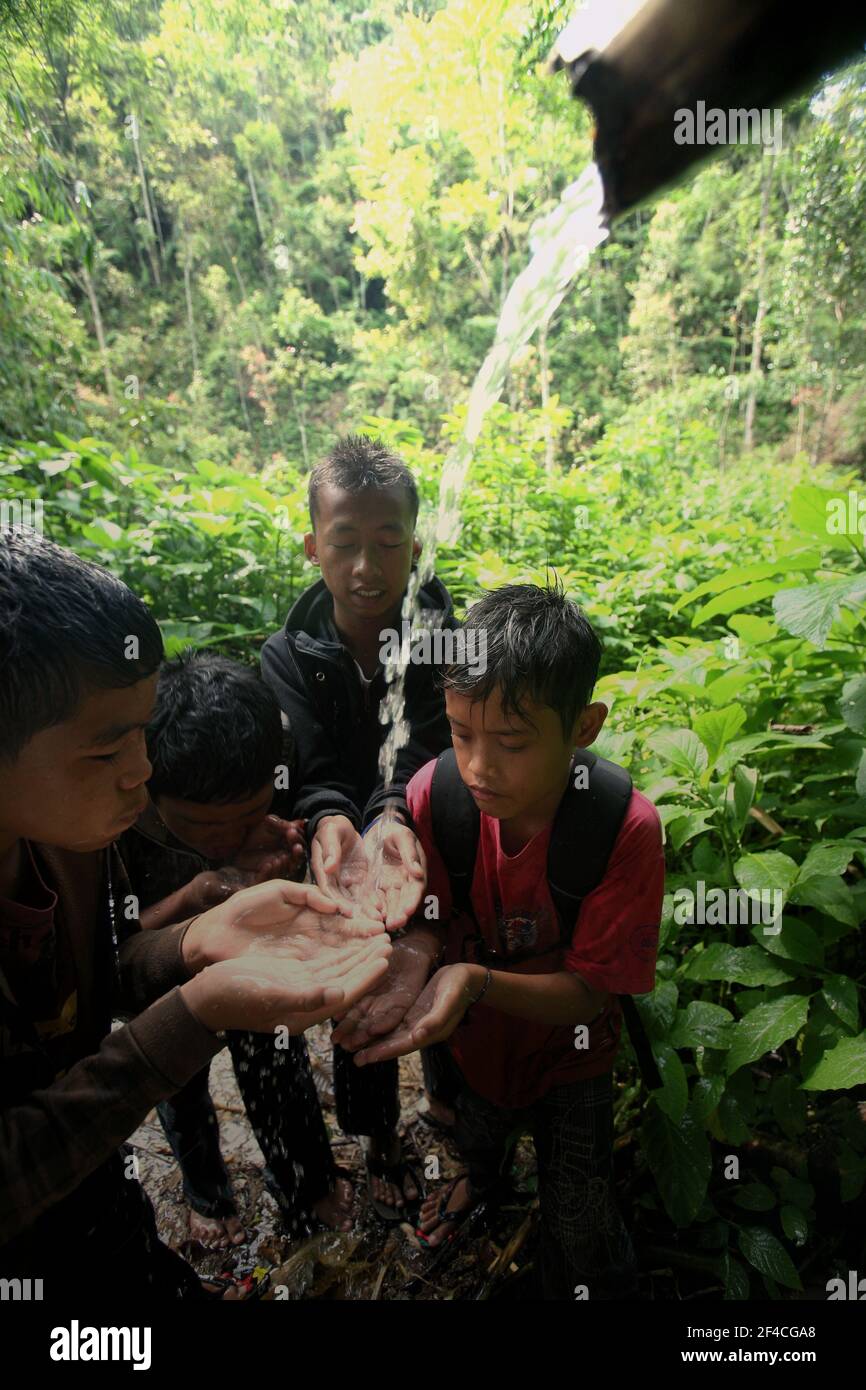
(544, 362)
(190, 316)
(256, 208)
(758, 327)
(156, 238)
(90, 290)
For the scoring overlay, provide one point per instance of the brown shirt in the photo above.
(71, 1090)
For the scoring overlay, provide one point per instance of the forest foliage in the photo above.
(231, 231)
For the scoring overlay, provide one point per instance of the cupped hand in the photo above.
(262, 992)
(337, 860)
(295, 919)
(431, 1019)
(383, 1009)
(398, 869)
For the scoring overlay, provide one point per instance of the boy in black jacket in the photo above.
(326, 669)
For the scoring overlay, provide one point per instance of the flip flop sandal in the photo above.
(395, 1173)
(443, 1215)
(251, 1286)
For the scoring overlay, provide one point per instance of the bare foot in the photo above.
(335, 1208)
(215, 1232)
(437, 1228)
(389, 1150)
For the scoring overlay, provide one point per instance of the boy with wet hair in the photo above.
(78, 660)
(526, 996)
(216, 743)
(326, 669)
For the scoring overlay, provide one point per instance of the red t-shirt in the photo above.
(514, 1061)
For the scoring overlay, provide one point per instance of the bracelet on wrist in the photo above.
(484, 988)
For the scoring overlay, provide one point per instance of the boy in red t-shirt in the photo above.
(515, 1057)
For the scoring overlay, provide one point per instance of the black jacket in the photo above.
(334, 721)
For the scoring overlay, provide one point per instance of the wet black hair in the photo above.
(540, 646)
(216, 734)
(360, 461)
(65, 631)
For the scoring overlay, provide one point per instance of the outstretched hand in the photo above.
(294, 920)
(384, 1008)
(431, 1019)
(275, 848)
(262, 992)
(398, 870)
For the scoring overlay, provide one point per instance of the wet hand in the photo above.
(398, 868)
(431, 1019)
(383, 1009)
(275, 848)
(294, 920)
(263, 992)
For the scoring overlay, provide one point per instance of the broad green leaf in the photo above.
(841, 1068)
(766, 1028)
(796, 942)
(734, 599)
(755, 1196)
(679, 1159)
(735, 1279)
(706, 1094)
(682, 749)
(716, 728)
(754, 630)
(768, 1255)
(825, 858)
(853, 703)
(811, 612)
(840, 993)
(741, 792)
(860, 779)
(673, 1095)
(684, 828)
(702, 1025)
(658, 1010)
(770, 870)
(745, 965)
(829, 895)
(742, 574)
(813, 510)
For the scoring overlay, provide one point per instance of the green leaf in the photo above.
(706, 1094)
(809, 511)
(840, 993)
(860, 779)
(684, 828)
(682, 749)
(812, 611)
(829, 895)
(673, 1095)
(742, 793)
(744, 965)
(768, 1255)
(755, 1196)
(795, 1225)
(841, 1068)
(716, 728)
(766, 1028)
(658, 1010)
(734, 599)
(702, 1025)
(770, 870)
(796, 942)
(742, 574)
(853, 703)
(679, 1159)
(825, 858)
(735, 1279)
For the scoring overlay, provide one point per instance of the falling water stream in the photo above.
(560, 244)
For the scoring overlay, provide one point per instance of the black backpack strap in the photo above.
(456, 827)
(584, 833)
